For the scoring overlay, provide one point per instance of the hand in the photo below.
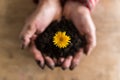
(80, 16)
(46, 12)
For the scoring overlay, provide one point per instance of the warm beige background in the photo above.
(102, 64)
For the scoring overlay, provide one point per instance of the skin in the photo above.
(40, 19)
(82, 19)
(36, 24)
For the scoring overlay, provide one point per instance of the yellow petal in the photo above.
(61, 40)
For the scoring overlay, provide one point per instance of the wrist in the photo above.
(80, 10)
(90, 4)
(74, 8)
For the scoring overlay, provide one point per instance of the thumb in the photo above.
(26, 34)
(90, 42)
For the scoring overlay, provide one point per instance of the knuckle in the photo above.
(92, 42)
(69, 58)
(37, 56)
(49, 60)
(92, 45)
(76, 61)
(23, 40)
(31, 26)
(24, 35)
(66, 66)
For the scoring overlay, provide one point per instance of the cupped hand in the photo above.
(46, 12)
(80, 15)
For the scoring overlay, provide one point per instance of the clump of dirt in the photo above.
(44, 41)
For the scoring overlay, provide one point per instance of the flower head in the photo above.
(61, 40)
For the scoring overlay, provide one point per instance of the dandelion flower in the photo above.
(61, 40)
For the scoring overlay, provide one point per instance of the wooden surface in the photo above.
(102, 64)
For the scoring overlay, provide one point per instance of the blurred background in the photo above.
(102, 64)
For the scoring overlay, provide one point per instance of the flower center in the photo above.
(61, 39)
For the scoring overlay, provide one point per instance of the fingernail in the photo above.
(63, 68)
(42, 66)
(39, 64)
(51, 67)
(86, 52)
(73, 67)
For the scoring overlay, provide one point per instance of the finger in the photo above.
(67, 62)
(86, 27)
(90, 34)
(37, 55)
(61, 60)
(49, 62)
(55, 61)
(91, 42)
(76, 59)
(26, 34)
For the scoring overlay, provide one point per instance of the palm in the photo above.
(84, 24)
(36, 24)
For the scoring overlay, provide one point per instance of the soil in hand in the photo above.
(44, 41)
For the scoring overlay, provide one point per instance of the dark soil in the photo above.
(44, 41)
